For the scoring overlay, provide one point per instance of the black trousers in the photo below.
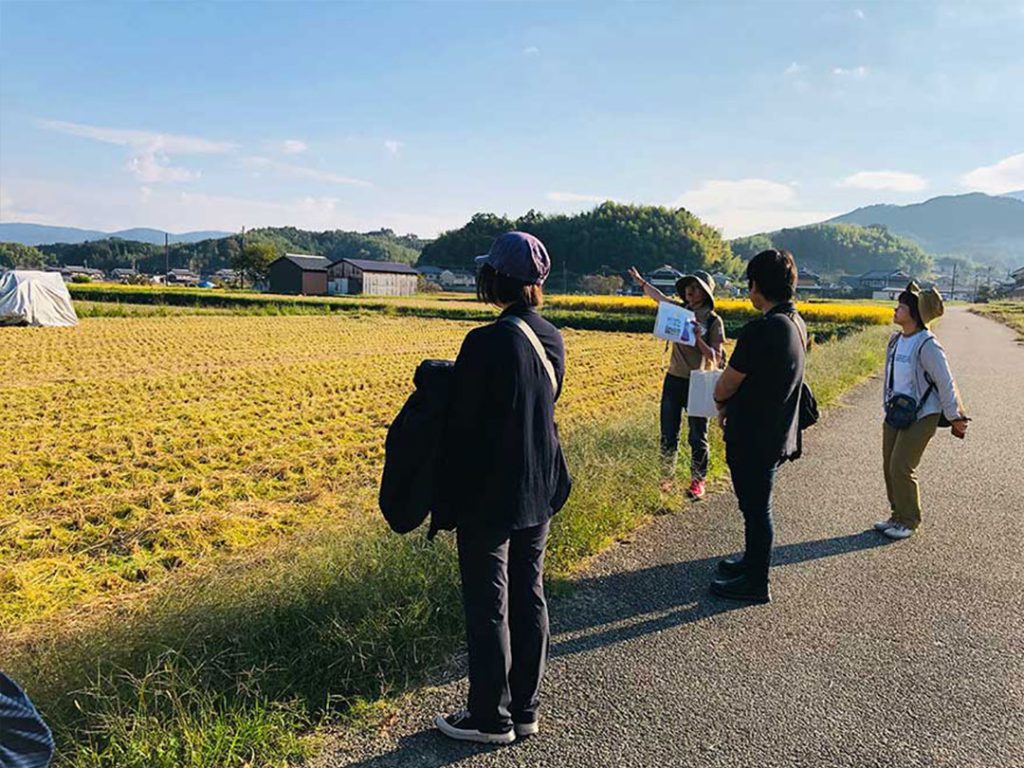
(675, 393)
(753, 480)
(506, 623)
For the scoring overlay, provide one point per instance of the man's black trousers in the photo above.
(753, 479)
(506, 623)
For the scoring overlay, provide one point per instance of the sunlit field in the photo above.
(191, 546)
(131, 447)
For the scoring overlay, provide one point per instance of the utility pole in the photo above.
(952, 287)
(167, 253)
(241, 282)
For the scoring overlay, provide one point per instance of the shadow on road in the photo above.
(605, 610)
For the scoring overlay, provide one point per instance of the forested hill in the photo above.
(215, 253)
(980, 227)
(837, 249)
(608, 239)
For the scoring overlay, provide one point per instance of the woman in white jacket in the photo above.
(918, 394)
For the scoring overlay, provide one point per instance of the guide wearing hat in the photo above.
(697, 291)
(919, 395)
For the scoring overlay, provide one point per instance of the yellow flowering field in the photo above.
(861, 313)
(132, 447)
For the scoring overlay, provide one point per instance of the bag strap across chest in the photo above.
(535, 342)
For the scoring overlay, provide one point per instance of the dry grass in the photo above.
(133, 447)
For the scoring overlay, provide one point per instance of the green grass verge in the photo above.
(229, 667)
(1009, 313)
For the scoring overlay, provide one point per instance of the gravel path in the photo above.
(873, 653)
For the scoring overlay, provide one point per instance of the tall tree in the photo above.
(18, 256)
(253, 261)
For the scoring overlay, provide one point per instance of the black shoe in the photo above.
(462, 727)
(732, 566)
(742, 588)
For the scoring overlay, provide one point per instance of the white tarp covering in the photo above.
(35, 298)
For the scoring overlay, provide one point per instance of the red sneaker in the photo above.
(696, 490)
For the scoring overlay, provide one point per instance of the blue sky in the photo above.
(414, 116)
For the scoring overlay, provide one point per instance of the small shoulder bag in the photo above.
(808, 411)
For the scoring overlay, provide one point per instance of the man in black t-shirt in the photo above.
(758, 397)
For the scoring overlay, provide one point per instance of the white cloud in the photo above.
(795, 69)
(393, 146)
(303, 172)
(1005, 176)
(169, 143)
(573, 197)
(740, 193)
(113, 208)
(152, 167)
(855, 72)
(859, 13)
(745, 206)
(12, 211)
(896, 181)
(531, 51)
(150, 161)
(293, 146)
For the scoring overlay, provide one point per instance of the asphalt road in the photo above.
(873, 653)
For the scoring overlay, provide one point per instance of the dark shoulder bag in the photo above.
(808, 411)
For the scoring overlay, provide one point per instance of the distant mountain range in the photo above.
(41, 234)
(984, 228)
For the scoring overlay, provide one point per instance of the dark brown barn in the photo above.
(299, 273)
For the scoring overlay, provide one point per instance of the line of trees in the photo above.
(841, 249)
(18, 256)
(600, 243)
(217, 253)
(604, 241)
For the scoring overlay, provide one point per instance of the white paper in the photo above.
(675, 323)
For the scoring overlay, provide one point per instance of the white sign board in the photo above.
(675, 323)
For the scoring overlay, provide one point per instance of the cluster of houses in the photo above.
(1017, 290)
(185, 277)
(884, 284)
(306, 274)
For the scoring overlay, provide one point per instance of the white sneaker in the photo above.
(898, 531)
(882, 525)
(527, 729)
(460, 726)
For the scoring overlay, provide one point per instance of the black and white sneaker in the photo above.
(461, 726)
(531, 728)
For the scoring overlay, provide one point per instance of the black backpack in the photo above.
(410, 487)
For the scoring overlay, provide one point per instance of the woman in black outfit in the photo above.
(507, 478)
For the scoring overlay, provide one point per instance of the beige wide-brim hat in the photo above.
(701, 278)
(929, 302)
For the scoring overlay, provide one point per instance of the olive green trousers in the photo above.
(902, 450)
